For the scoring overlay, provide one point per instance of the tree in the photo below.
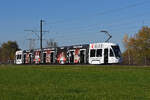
(137, 47)
(8, 51)
(51, 43)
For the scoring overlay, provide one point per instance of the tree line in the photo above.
(137, 48)
(7, 51)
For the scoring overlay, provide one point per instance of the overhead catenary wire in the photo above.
(98, 14)
(104, 12)
(110, 25)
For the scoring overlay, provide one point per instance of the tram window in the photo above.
(99, 53)
(92, 53)
(111, 53)
(18, 56)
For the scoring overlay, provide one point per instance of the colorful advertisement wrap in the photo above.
(27, 58)
(77, 56)
(48, 59)
(61, 56)
(37, 57)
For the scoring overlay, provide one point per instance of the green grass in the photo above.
(74, 82)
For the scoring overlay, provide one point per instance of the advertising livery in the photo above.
(95, 53)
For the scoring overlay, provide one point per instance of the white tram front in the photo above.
(104, 53)
(19, 57)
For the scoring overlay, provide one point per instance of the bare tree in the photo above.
(51, 43)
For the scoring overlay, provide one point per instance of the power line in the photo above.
(103, 13)
(34, 32)
(113, 11)
(31, 43)
(111, 25)
(108, 11)
(39, 36)
(122, 8)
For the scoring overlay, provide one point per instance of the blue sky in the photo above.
(72, 21)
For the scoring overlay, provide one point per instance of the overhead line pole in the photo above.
(41, 35)
(41, 38)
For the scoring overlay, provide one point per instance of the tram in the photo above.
(94, 53)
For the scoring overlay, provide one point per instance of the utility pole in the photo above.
(41, 35)
(41, 38)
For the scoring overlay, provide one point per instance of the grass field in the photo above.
(74, 82)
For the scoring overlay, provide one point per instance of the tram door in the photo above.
(71, 57)
(24, 58)
(44, 58)
(82, 56)
(106, 55)
(30, 58)
(52, 57)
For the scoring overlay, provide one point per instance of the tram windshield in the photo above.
(117, 51)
